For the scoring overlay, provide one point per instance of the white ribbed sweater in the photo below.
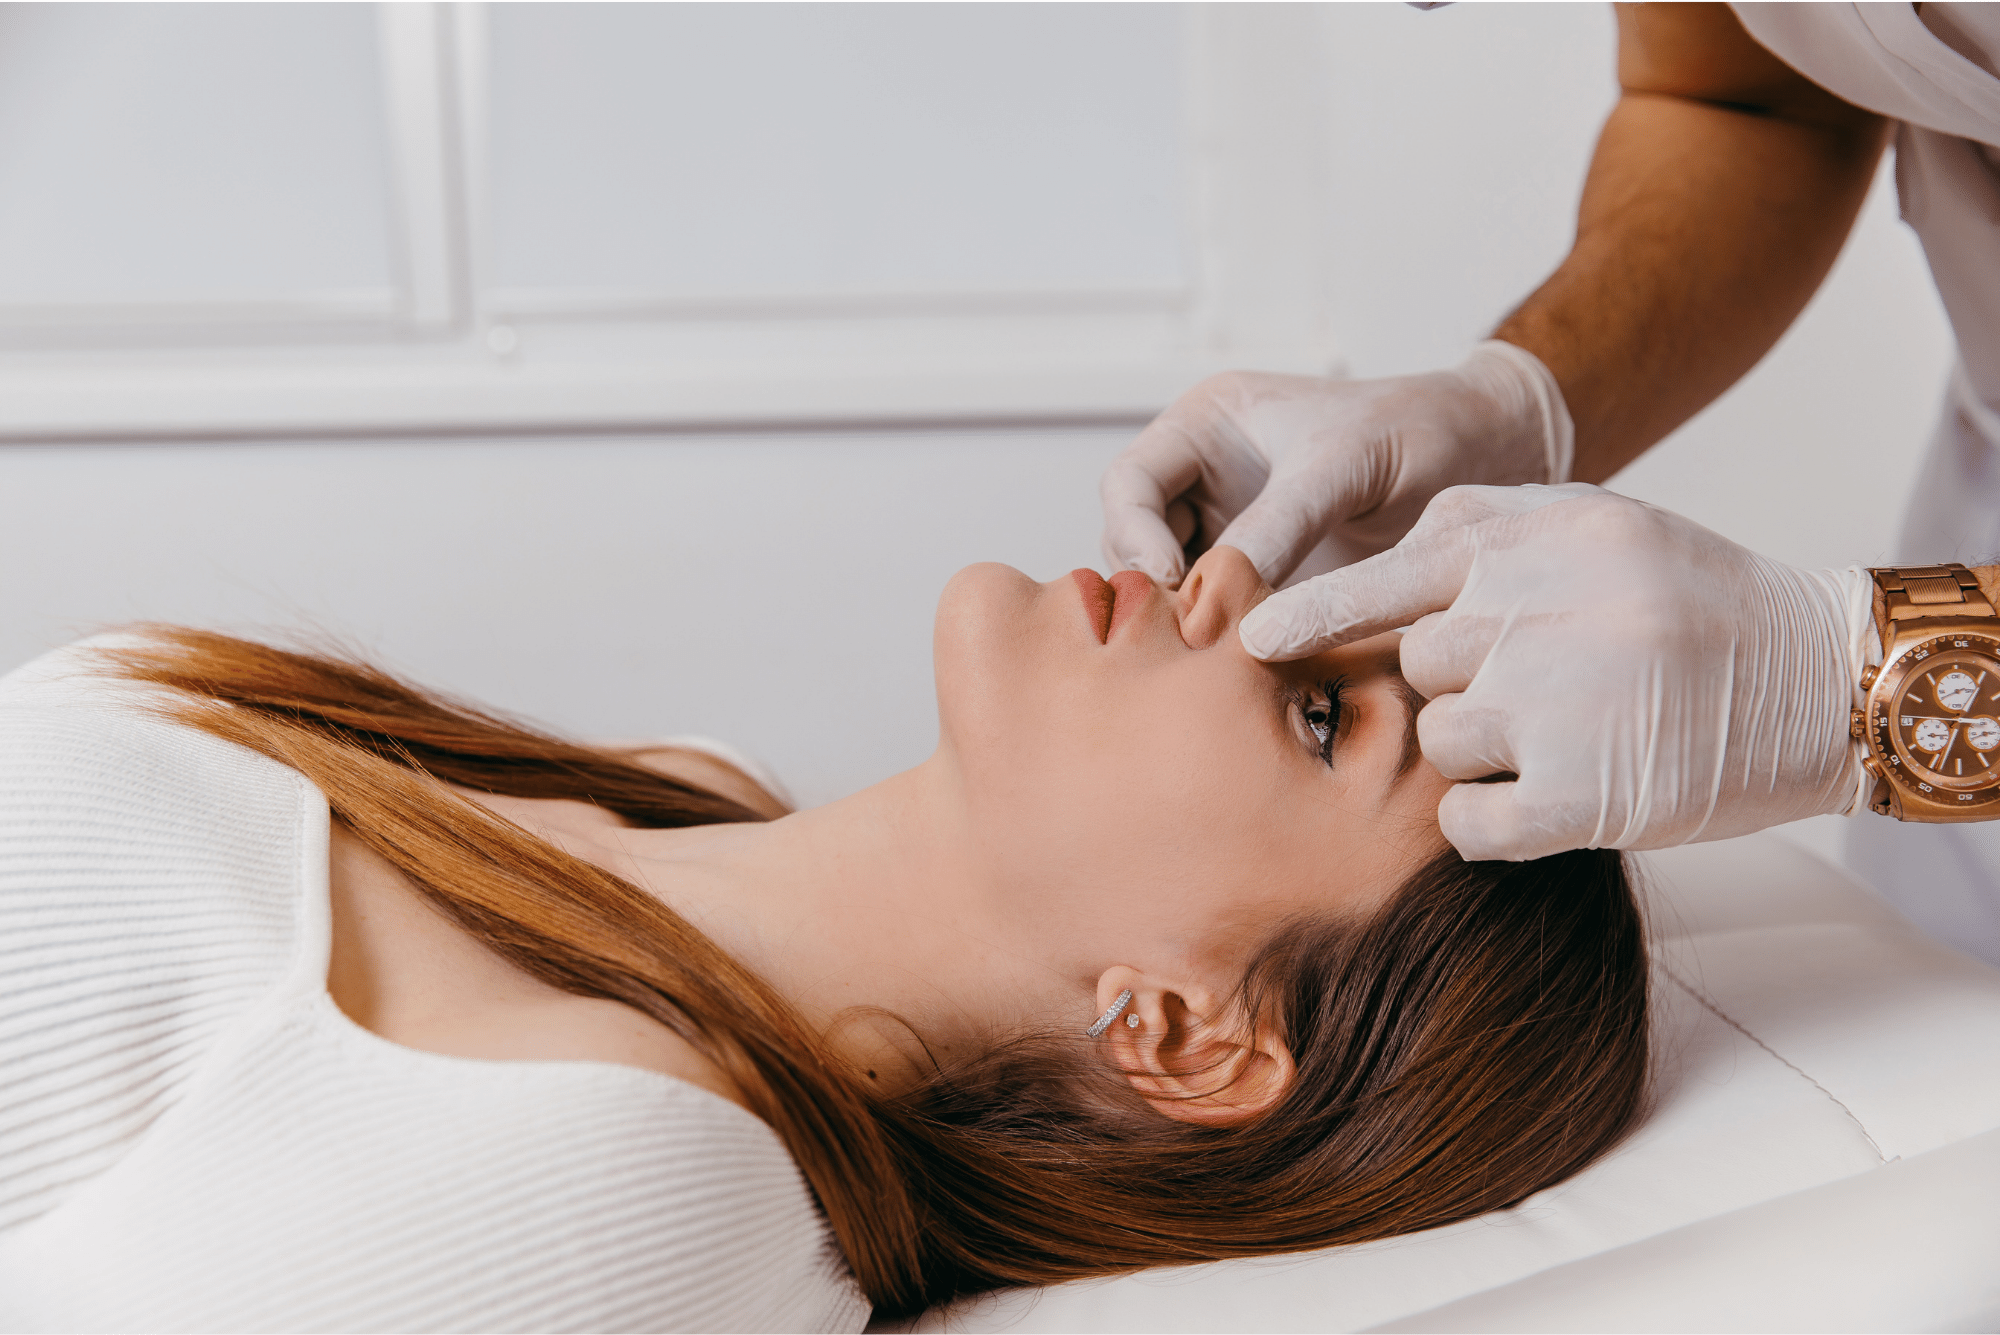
(193, 1137)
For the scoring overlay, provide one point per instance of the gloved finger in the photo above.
(1465, 741)
(1488, 822)
(1182, 521)
(1443, 651)
(1388, 590)
(1461, 506)
(1277, 530)
(1124, 550)
(1421, 574)
(1136, 490)
(1137, 537)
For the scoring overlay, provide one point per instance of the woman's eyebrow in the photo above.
(1413, 704)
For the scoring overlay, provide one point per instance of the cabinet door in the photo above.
(191, 165)
(721, 151)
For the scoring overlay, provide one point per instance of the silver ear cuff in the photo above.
(1117, 1009)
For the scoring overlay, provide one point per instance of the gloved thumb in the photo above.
(1488, 822)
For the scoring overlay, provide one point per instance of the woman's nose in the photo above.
(1221, 587)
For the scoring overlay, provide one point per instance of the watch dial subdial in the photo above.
(1934, 727)
(1956, 691)
(1932, 734)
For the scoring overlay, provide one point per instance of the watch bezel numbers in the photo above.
(1903, 766)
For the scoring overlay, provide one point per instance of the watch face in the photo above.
(1934, 720)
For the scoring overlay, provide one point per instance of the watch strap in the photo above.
(1918, 593)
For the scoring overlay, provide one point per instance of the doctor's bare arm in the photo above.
(1723, 186)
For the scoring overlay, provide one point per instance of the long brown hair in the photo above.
(1482, 1037)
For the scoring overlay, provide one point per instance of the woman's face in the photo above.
(1124, 761)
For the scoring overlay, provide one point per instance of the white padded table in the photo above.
(1816, 1157)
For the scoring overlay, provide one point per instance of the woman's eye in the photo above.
(1322, 715)
(1322, 722)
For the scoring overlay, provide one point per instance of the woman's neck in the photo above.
(873, 915)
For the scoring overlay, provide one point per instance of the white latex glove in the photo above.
(1278, 466)
(1650, 682)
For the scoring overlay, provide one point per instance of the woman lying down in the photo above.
(1160, 958)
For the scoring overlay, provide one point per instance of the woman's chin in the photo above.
(982, 607)
(985, 579)
(996, 638)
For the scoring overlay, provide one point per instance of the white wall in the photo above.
(774, 591)
(775, 588)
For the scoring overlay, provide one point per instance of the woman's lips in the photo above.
(1110, 604)
(1130, 588)
(1097, 602)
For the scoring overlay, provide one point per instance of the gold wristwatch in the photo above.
(1932, 722)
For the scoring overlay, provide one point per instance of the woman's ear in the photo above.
(1191, 1057)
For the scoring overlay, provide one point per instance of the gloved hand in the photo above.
(1278, 465)
(1650, 682)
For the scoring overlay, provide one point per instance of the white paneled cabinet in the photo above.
(252, 219)
(653, 155)
(190, 167)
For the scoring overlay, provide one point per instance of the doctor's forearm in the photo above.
(1721, 191)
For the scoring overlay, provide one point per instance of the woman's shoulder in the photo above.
(68, 671)
(86, 757)
(149, 881)
(716, 766)
(78, 684)
(325, 1178)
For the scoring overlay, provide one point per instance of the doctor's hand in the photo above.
(1278, 466)
(1601, 673)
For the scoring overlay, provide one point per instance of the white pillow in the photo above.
(1806, 1036)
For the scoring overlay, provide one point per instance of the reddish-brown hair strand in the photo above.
(1480, 1038)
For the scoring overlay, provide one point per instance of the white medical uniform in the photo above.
(1936, 69)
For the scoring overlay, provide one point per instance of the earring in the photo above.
(1132, 1021)
(1104, 1020)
